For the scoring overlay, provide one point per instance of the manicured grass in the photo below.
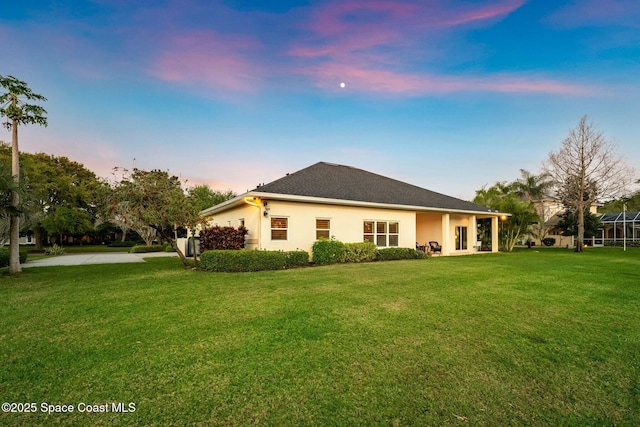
(543, 337)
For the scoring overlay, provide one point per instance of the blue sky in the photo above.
(447, 95)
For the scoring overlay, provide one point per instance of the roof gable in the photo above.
(332, 181)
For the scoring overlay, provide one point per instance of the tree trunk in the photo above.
(193, 245)
(580, 239)
(39, 235)
(14, 227)
(174, 245)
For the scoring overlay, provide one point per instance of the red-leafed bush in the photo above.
(222, 238)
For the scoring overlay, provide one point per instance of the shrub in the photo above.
(548, 241)
(360, 252)
(144, 248)
(328, 251)
(222, 238)
(168, 248)
(390, 254)
(4, 256)
(54, 250)
(238, 261)
(620, 243)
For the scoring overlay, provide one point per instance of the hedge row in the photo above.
(330, 251)
(137, 249)
(245, 260)
(4, 257)
(620, 243)
(392, 254)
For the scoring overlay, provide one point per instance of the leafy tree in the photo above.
(68, 220)
(18, 112)
(156, 199)
(204, 197)
(52, 182)
(617, 205)
(568, 224)
(586, 169)
(504, 197)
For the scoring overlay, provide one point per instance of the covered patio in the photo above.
(458, 233)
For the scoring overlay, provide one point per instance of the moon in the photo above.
(343, 85)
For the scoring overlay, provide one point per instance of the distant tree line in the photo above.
(61, 197)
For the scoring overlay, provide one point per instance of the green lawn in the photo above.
(544, 337)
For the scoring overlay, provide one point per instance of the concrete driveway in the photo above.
(96, 258)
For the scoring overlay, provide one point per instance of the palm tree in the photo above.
(18, 113)
(533, 189)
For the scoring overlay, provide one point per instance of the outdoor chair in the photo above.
(421, 248)
(435, 247)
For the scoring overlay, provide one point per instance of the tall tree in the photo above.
(18, 112)
(156, 199)
(52, 182)
(586, 169)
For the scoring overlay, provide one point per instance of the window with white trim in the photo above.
(279, 228)
(382, 233)
(323, 228)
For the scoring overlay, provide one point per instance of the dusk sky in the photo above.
(446, 95)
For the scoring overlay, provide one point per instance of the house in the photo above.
(353, 205)
(550, 210)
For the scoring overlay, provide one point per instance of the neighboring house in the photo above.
(550, 211)
(353, 205)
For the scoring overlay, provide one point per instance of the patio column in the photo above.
(494, 234)
(446, 233)
(472, 237)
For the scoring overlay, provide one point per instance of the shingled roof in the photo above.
(331, 181)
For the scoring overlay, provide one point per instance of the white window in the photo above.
(279, 228)
(382, 233)
(323, 228)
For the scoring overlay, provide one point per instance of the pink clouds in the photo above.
(373, 45)
(379, 47)
(209, 58)
(414, 84)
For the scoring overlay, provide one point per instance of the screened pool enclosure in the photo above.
(619, 226)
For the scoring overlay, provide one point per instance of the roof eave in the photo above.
(343, 202)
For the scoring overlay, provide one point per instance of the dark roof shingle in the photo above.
(331, 181)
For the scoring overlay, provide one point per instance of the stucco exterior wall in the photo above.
(248, 214)
(346, 223)
(429, 228)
